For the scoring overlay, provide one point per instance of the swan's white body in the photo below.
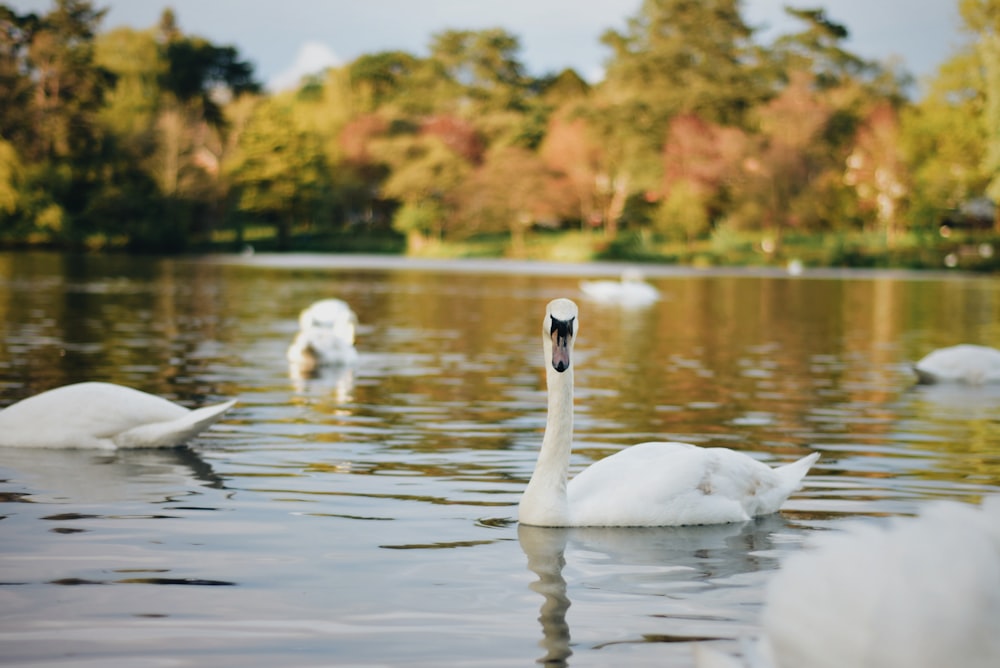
(921, 592)
(650, 484)
(102, 415)
(325, 337)
(964, 363)
(631, 290)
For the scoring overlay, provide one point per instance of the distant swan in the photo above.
(631, 290)
(650, 484)
(920, 592)
(325, 337)
(964, 363)
(102, 415)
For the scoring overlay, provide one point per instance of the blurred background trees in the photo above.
(152, 139)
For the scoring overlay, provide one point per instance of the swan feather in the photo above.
(964, 363)
(102, 415)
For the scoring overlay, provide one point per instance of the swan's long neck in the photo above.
(544, 501)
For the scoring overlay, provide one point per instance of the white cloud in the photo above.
(312, 57)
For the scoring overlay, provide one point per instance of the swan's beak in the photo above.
(562, 334)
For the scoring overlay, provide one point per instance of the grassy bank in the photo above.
(968, 251)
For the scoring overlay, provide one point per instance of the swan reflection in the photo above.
(88, 476)
(330, 380)
(684, 561)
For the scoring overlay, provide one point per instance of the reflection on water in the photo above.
(364, 516)
(95, 477)
(676, 564)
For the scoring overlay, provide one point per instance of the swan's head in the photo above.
(329, 323)
(559, 331)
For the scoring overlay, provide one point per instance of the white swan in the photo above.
(920, 592)
(102, 415)
(650, 484)
(325, 337)
(631, 290)
(964, 363)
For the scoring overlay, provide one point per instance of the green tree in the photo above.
(482, 66)
(16, 83)
(818, 49)
(675, 57)
(135, 60)
(279, 175)
(945, 152)
(424, 173)
(684, 56)
(982, 19)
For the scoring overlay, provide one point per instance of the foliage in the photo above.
(153, 139)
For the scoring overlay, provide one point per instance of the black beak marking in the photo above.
(561, 332)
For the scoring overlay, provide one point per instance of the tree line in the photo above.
(153, 139)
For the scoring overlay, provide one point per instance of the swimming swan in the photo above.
(325, 337)
(964, 363)
(631, 290)
(918, 592)
(650, 484)
(102, 415)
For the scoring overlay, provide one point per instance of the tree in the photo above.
(512, 190)
(944, 151)
(675, 57)
(571, 149)
(16, 83)
(875, 169)
(700, 159)
(279, 174)
(397, 82)
(818, 49)
(424, 173)
(482, 66)
(982, 18)
(684, 56)
(792, 161)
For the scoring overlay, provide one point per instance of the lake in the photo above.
(367, 517)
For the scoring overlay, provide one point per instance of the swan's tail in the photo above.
(173, 432)
(792, 474)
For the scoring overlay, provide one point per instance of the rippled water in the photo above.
(366, 518)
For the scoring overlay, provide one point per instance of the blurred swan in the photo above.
(326, 337)
(650, 484)
(964, 363)
(919, 592)
(102, 415)
(631, 290)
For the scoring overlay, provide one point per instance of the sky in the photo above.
(286, 39)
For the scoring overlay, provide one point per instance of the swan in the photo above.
(650, 484)
(917, 592)
(631, 290)
(325, 337)
(102, 415)
(964, 363)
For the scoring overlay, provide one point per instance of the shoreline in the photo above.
(596, 268)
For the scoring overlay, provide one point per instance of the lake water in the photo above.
(367, 518)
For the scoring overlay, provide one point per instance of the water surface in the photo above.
(365, 517)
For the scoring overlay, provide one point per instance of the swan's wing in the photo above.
(670, 484)
(89, 415)
(174, 432)
(962, 363)
(654, 484)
